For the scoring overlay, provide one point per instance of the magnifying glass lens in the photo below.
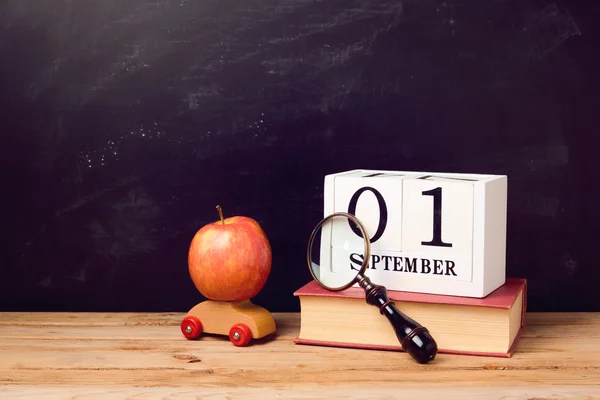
(336, 253)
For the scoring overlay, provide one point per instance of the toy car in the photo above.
(242, 321)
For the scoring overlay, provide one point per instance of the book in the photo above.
(489, 326)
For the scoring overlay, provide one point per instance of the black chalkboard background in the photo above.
(124, 123)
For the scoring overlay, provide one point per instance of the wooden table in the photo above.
(145, 356)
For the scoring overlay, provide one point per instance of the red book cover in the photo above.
(503, 297)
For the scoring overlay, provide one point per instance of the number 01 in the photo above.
(383, 215)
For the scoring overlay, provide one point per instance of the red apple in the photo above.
(230, 259)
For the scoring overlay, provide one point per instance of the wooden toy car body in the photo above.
(240, 320)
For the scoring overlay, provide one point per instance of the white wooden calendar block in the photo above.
(439, 233)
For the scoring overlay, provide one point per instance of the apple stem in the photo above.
(221, 214)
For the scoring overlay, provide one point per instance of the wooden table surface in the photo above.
(145, 356)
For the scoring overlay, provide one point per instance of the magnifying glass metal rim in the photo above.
(367, 255)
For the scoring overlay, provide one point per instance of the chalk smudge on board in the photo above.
(547, 29)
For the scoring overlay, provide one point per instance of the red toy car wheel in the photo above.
(240, 335)
(191, 327)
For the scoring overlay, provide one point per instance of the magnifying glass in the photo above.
(338, 255)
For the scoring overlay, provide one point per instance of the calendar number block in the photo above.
(439, 233)
(438, 221)
(368, 202)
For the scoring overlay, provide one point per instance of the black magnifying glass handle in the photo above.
(414, 338)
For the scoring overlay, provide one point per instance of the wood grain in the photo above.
(117, 356)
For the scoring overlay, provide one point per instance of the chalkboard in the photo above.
(124, 123)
